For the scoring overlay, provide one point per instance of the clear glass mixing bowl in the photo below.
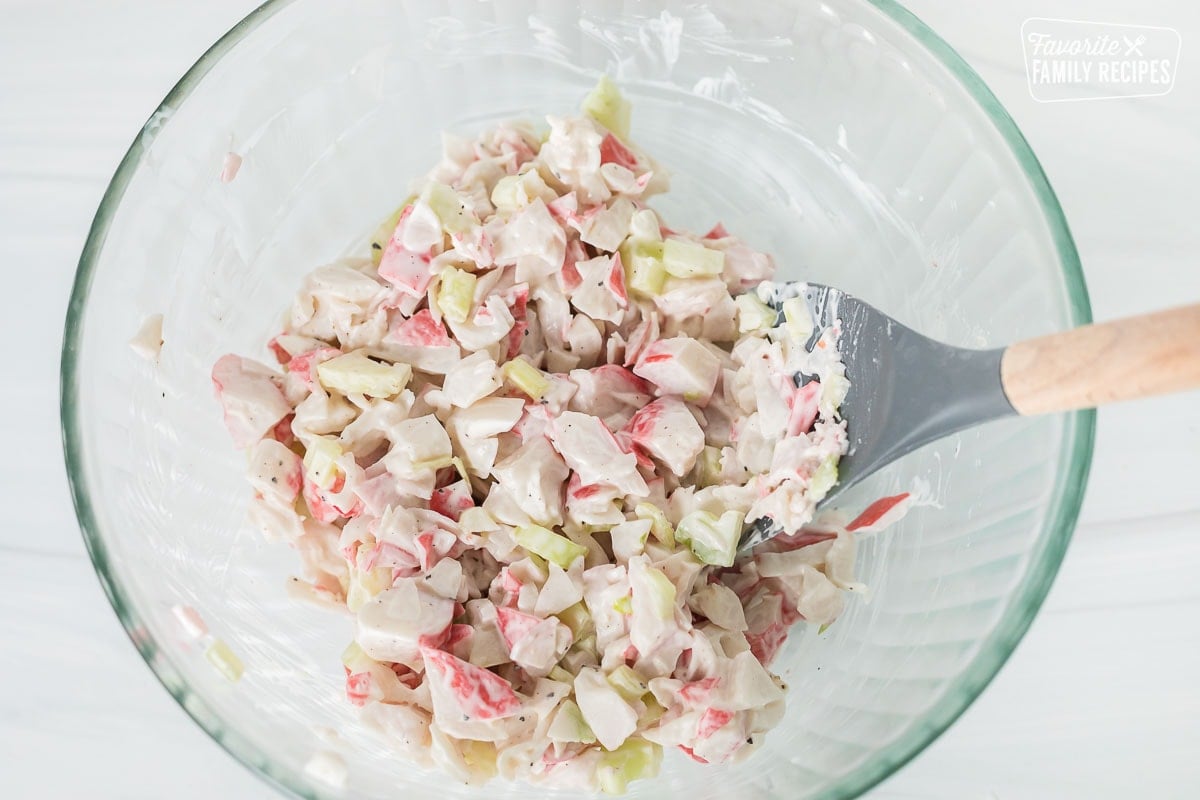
(844, 137)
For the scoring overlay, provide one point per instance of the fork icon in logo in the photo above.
(1134, 47)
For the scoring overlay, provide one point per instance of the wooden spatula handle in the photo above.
(1105, 363)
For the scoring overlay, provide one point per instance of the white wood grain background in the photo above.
(1099, 701)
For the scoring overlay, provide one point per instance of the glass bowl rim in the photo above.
(1075, 455)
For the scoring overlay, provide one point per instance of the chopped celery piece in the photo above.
(355, 660)
(652, 714)
(448, 206)
(660, 526)
(569, 724)
(456, 294)
(833, 392)
(480, 757)
(798, 319)
(353, 656)
(506, 196)
(627, 682)
(606, 105)
(823, 479)
(528, 378)
(645, 273)
(662, 593)
(635, 758)
(441, 462)
(708, 466)
(356, 596)
(623, 605)
(477, 520)
(586, 645)
(364, 585)
(559, 674)
(354, 373)
(549, 545)
(539, 563)
(713, 540)
(754, 315)
(320, 461)
(691, 260)
(224, 660)
(517, 191)
(577, 619)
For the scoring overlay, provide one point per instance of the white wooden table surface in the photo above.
(1099, 701)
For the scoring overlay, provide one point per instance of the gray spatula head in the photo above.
(906, 389)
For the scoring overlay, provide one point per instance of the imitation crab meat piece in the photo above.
(302, 367)
(393, 625)
(419, 228)
(533, 241)
(462, 689)
(612, 151)
(534, 476)
(747, 684)
(534, 644)
(609, 716)
(601, 291)
(593, 503)
(803, 408)
(422, 342)
(420, 448)
(588, 447)
(653, 628)
(629, 539)
(275, 471)
(407, 271)
(250, 398)
(721, 605)
(604, 586)
(881, 513)
(744, 266)
(667, 430)
(610, 392)
(608, 227)
(230, 166)
(338, 301)
(680, 366)
(562, 589)
(572, 152)
(473, 430)
(585, 337)
(451, 501)
(148, 340)
(641, 337)
(490, 324)
(471, 380)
